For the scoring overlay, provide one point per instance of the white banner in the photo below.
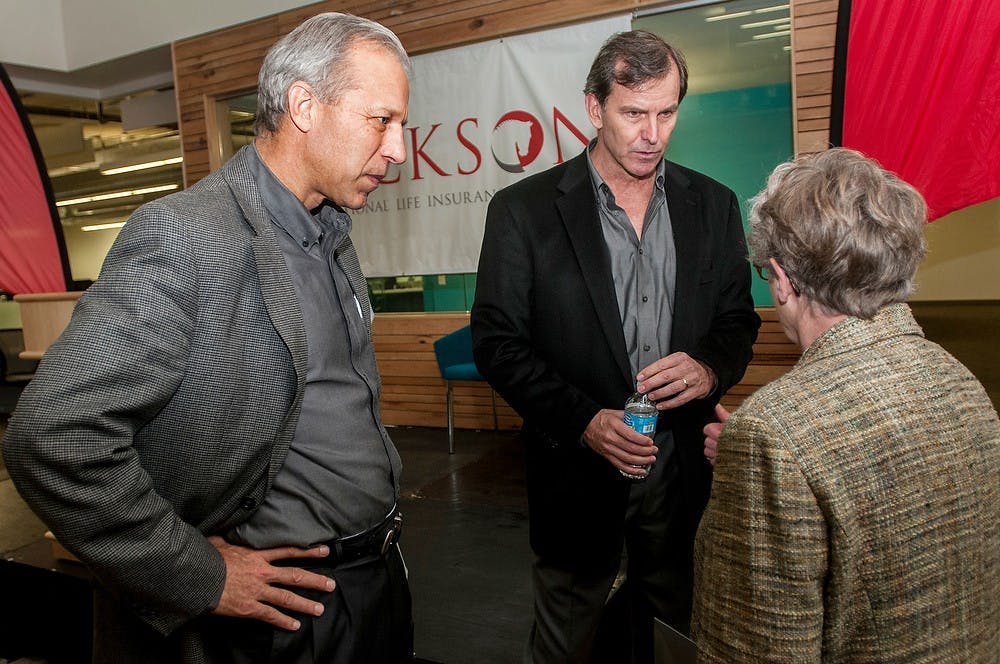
(481, 117)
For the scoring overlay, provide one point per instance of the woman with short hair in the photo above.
(855, 503)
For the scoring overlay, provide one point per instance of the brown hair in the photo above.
(630, 59)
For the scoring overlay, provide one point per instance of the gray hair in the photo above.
(316, 52)
(632, 58)
(848, 233)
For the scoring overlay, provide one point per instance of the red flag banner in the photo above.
(919, 90)
(30, 257)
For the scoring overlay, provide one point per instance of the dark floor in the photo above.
(465, 542)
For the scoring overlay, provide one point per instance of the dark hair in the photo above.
(632, 58)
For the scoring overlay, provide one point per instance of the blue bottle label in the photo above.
(644, 424)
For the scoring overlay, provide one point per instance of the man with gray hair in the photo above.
(206, 435)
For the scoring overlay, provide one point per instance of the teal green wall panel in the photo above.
(736, 137)
(449, 292)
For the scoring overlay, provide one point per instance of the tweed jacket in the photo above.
(855, 509)
(166, 408)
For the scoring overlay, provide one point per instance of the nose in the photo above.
(393, 145)
(651, 130)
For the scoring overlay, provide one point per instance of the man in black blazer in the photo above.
(614, 272)
(205, 436)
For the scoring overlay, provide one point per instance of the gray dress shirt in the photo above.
(341, 475)
(644, 270)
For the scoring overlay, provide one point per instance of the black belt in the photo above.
(372, 543)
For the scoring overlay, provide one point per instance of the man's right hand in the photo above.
(250, 590)
(625, 448)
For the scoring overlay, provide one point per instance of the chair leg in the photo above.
(493, 398)
(451, 420)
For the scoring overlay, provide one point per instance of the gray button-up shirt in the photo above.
(342, 471)
(644, 270)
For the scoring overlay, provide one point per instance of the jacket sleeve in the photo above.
(502, 328)
(760, 554)
(70, 447)
(727, 346)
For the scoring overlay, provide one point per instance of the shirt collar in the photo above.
(306, 227)
(604, 194)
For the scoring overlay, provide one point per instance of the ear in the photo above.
(783, 288)
(594, 110)
(302, 103)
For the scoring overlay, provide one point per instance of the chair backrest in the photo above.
(454, 348)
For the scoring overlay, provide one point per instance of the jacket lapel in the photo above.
(683, 203)
(279, 294)
(578, 210)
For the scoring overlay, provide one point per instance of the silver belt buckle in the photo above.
(390, 537)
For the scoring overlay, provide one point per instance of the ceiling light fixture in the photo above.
(141, 167)
(723, 17)
(772, 35)
(116, 194)
(757, 24)
(103, 227)
(765, 10)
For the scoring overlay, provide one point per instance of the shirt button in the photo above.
(646, 347)
(640, 251)
(305, 243)
(645, 299)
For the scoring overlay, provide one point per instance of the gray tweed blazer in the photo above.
(164, 411)
(855, 509)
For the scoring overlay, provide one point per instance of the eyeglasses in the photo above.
(764, 272)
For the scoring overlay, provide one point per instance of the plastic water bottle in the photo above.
(640, 414)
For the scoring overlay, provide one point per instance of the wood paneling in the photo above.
(413, 393)
(773, 355)
(44, 316)
(814, 32)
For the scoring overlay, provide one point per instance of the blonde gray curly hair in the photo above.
(848, 233)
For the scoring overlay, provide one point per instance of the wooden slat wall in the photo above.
(413, 393)
(773, 355)
(814, 32)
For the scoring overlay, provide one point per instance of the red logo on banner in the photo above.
(512, 131)
(516, 142)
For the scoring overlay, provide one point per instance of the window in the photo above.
(735, 123)
(99, 171)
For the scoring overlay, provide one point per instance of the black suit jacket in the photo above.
(548, 337)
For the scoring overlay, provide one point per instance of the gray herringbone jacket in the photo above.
(165, 409)
(855, 509)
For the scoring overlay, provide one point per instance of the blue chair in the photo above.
(454, 358)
